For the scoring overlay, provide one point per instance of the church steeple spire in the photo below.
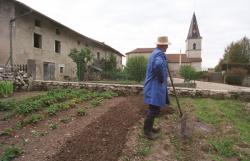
(194, 32)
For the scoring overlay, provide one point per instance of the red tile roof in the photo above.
(175, 58)
(141, 50)
(172, 58)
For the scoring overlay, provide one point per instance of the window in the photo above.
(37, 40)
(78, 42)
(57, 46)
(98, 56)
(194, 46)
(37, 23)
(61, 70)
(58, 32)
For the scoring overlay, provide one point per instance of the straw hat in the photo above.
(163, 40)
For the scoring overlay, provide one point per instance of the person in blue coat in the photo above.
(155, 86)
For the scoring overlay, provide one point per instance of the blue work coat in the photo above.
(155, 85)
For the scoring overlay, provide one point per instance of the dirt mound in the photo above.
(103, 139)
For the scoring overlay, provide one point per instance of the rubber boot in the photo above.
(148, 126)
(156, 130)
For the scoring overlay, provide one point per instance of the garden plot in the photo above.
(91, 126)
(34, 117)
(219, 130)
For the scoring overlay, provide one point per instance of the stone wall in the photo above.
(246, 81)
(20, 79)
(6, 74)
(138, 89)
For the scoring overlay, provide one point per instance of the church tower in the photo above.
(194, 40)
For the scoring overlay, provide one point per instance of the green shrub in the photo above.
(81, 112)
(81, 58)
(6, 88)
(6, 132)
(108, 94)
(187, 72)
(33, 119)
(8, 115)
(53, 109)
(110, 63)
(97, 101)
(33, 104)
(65, 120)
(53, 126)
(136, 68)
(116, 74)
(120, 75)
(234, 80)
(65, 106)
(7, 105)
(11, 153)
(26, 107)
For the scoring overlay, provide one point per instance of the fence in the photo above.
(15, 68)
(21, 67)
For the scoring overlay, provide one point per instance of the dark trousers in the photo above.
(153, 111)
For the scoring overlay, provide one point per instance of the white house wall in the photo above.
(189, 48)
(6, 13)
(23, 47)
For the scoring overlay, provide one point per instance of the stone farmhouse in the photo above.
(43, 44)
(192, 56)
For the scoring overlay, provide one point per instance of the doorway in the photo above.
(31, 69)
(48, 71)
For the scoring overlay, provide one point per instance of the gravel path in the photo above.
(215, 86)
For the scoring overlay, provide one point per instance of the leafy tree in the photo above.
(136, 68)
(81, 58)
(238, 52)
(235, 75)
(245, 44)
(188, 73)
(198, 75)
(110, 68)
(110, 64)
(218, 67)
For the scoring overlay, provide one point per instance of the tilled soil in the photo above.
(39, 141)
(103, 139)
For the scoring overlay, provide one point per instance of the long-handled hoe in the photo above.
(183, 117)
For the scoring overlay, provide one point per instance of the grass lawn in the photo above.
(231, 120)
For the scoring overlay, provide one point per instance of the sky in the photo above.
(129, 24)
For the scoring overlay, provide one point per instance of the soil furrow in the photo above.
(104, 139)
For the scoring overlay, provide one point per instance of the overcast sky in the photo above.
(129, 24)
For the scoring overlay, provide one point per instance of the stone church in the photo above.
(192, 56)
